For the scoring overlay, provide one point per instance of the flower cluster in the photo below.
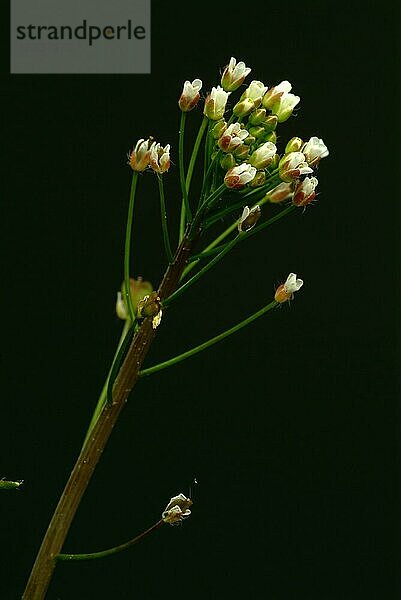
(245, 144)
(148, 153)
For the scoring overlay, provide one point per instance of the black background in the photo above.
(290, 427)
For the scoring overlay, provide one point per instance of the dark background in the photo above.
(291, 427)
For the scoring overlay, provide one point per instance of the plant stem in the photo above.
(198, 275)
(127, 249)
(191, 167)
(166, 237)
(91, 452)
(110, 551)
(188, 214)
(214, 340)
(103, 394)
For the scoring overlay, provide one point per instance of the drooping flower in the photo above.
(286, 290)
(139, 158)
(263, 156)
(274, 94)
(292, 166)
(284, 107)
(305, 191)
(237, 177)
(232, 137)
(190, 95)
(249, 218)
(314, 150)
(177, 510)
(160, 158)
(215, 103)
(234, 75)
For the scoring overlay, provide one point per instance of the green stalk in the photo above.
(188, 214)
(127, 249)
(192, 161)
(103, 394)
(206, 268)
(166, 237)
(227, 232)
(214, 340)
(110, 551)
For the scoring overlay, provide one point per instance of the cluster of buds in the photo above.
(148, 153)
(247, 145)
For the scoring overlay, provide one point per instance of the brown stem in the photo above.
(74, 490)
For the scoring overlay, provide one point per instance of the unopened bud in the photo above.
(257, 131)
(139, 158)
(257, 116)
(275, 93)
(269, 137)
(243, 107)
(234, 75)
(270, 123)
(218, 129)
(215, 104)
(263, 156)
(190, 95)
(227, 162)
(241, 152)
(294, 145)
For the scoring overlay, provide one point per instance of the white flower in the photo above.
(249, 218)
(139, 158)
(255, 92)
(190, 95)
(305, 191)
(275, 93)
(292, 284)
(292, 166)
(160, 158)
(177, 509)
(286, 290)
(234, 75)
(237, 177)
(232, 137)
(284, 107)
(314, 150)
(262, 156)
(215, 103)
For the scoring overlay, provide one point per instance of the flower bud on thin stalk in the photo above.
(139, 158)
(314, 150)
(177, 510)
(274, 94)
(160, 158)
(190, 95)
(234, 75)
(237, 177)
(263, 156)
(232, 137)
(284, 107)
(292, 166)
(215, 104)
(285, 291)
(305, 191)
(294, 145)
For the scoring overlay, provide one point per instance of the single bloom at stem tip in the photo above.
(286, 290)
(177, 510)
